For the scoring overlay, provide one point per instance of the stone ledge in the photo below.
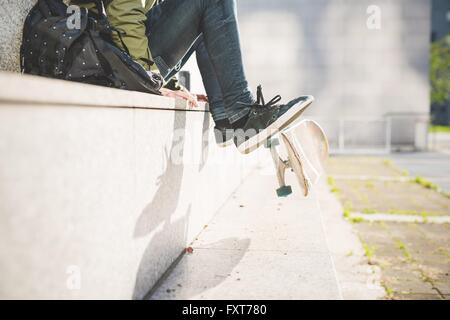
(19, 88)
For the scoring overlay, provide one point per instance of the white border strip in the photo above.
(401, 217)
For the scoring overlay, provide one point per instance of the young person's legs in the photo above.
(174, 25)
(211, 84)
(209, 79)
(223, 130)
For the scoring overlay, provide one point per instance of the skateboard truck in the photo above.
(306, 149)
(280, 166)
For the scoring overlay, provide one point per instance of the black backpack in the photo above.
(87, 54)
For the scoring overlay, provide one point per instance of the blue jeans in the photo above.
(209, 77)
(173, 31)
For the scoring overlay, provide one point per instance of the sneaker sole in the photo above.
(281, 123)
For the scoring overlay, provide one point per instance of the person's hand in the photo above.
(180, 94)
(199, 97)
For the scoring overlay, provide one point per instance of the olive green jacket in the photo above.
(129, 16)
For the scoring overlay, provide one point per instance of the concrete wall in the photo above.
(358, 75)
(98, 185)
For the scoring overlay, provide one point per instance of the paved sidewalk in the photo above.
(403, 223)
(434, 166)
(262, 247)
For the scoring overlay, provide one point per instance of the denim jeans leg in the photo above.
(209, 78)
(172, 28)
(211, 83)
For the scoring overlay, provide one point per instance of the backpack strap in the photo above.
(136, 74)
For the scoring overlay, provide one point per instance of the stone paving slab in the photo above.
(419, 296)
(357, 278)
(251, 274)
(361, 166)
(377, 185)
(412, 249)
(260, 246)
(414, 257)
(257, 247)
(432, 165)
(391, 197)
(265, 221)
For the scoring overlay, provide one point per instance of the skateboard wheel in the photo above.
(284, 191)
(272, 142)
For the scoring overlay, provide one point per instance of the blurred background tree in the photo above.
(440, 70)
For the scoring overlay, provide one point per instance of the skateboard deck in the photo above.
(306, 151)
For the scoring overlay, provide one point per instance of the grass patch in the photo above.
(332, 184)
(390, 164)
(369, 251)
(426, 183)
(347, 209)
(356, 219)
(368, 211)
(430, 185)
(446, 194)
(439, 129)
(389, 291)
(346, 214)
(404, 250)
(416, 196)
(370, 184)
(423, 214)
(443, 251)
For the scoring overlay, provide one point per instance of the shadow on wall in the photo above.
(159, 212)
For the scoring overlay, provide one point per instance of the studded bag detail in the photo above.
(53, 46)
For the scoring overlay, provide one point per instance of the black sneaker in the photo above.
(224, 133)
(265, 120)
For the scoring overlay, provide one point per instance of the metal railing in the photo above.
(376, 135)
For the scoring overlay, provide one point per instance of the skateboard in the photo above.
(306, 151)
